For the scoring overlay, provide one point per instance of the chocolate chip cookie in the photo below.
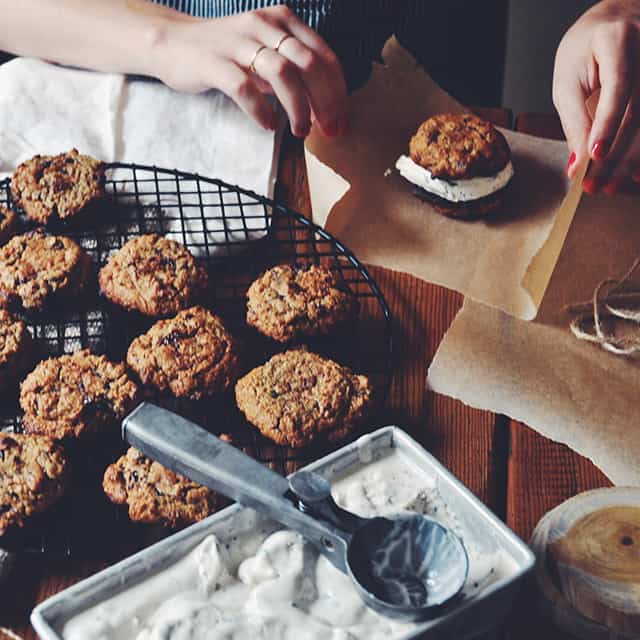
(155, 494)
(16, 349)
(298, 397)
(76, 395)
(8, 223)
(37, 269)
(33, 473)
(459, 147)
(192, 355)
(48, 187)
(287, 303)
(153, 275)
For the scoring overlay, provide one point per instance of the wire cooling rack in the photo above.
(237, 234)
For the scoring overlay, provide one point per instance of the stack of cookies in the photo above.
(296, 398)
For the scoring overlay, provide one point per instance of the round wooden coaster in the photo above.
(588, 564)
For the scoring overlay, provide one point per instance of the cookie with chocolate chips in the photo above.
(8, 224)
(60, 186)
(76, 395)
(16, 350)
(299, 397)
(457, 147)
(287, 303)
(37, 269)
(155, 494)
(33, 474)
(192, 355)
(154, 276)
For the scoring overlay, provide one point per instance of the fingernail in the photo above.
(572, 159)
(590, 186)
(599, 150)
(613, 186)
(636, 177)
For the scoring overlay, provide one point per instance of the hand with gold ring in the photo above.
(248, 55)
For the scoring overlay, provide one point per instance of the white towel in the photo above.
(48, 109)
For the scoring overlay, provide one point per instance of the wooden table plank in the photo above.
(471, 443)
(541, 473)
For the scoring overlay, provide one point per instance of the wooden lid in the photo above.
(588, 563)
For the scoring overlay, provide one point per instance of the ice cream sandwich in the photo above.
(460, 164)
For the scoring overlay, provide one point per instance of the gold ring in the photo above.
(282, 39)
(252, 64)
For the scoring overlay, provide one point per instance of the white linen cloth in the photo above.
(48, 109)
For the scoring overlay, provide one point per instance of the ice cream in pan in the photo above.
(405, 566)
(248, 578)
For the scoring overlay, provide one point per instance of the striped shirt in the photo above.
(355, 29)
(460, 42)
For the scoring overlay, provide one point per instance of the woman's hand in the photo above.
(304, 73)
(602, 51)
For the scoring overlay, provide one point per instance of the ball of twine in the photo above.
(611, 299)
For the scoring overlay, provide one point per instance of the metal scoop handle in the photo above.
(302, 503)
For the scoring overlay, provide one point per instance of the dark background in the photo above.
(462, 45)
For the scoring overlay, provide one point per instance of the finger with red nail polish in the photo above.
(590, 186)
(572, 160)
(599, 150)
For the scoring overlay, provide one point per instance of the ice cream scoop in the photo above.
(408, 566)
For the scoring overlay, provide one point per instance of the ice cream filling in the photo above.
(454, 190)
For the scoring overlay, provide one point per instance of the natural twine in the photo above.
(609, 300)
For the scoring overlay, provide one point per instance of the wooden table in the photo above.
(516, 472)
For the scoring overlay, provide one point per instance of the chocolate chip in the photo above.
(6, 442)
(174, 338)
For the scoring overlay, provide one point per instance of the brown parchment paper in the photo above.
(538, 372)
(505, 261)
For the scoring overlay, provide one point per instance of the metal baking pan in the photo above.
(467, 618)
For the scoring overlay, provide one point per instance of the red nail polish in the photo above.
(599, 150)
(572, 159)
(590, 186)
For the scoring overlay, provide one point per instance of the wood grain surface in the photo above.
(516, 472)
